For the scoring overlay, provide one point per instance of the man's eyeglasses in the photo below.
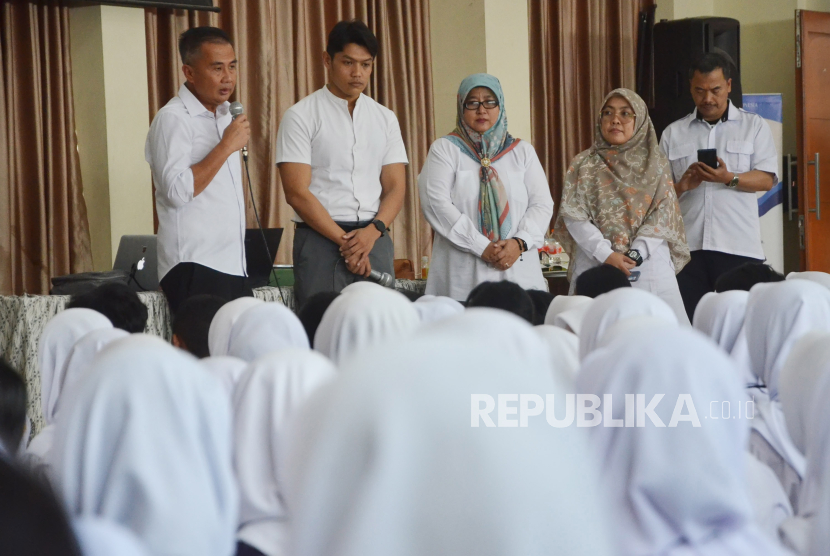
(474, 104)
(625, 116)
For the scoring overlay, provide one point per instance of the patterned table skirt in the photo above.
(22, 320)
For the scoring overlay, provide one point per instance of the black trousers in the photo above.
(699, 276)
(188, 279)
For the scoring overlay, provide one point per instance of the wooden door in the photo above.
(813, 137)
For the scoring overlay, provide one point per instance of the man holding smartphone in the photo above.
(719, 204)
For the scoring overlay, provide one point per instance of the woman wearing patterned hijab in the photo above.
(619, 206)
(486, 196)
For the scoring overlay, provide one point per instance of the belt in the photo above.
(347, 226)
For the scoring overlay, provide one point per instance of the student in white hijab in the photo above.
(816, 492)
(818, 277)
(432, 308)
(219, 333)
(360, 319)
(567, 311)
(618, 305)
(227, 369)
(265, 328)
(101, 537)
(384, 460)
(805, 385)
(146, 442)
(56, 342)
(270, 392)
(777, 316)
(721, 316)
(679, 490)
(564, 349)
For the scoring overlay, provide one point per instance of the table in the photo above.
(22, 319)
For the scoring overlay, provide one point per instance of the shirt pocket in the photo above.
(739, 155)
(514, 183)
(681, 157)
(466, 187)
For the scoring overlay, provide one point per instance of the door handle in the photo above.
(817, 210)
(788, 170)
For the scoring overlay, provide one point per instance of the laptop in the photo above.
(259, 267)
(138, 257)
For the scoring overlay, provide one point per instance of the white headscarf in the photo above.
(269, 393)
(361, 319)
(721, 316)
(101, 537)
(777, 316)
(146, 442)
(815, 494)
(219, 333)
(567, 311)
(680, 490)
(266, 328)
(363, 286)
(432, 308)
(57, 340)
(225, 368)
(818, 277)
(384, 460)
(564, 349)
(618, 305)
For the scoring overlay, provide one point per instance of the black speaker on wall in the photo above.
(676, 45)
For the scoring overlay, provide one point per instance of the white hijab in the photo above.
(721, 316)
(362, 319)
(219, 333)
(567, 311)
(815, 498)
(679, 490)
(57, 340)
(266, 328)
(432, 308)
(146, 442)
(225, 368)
(100, 537)
(618, 305)
(564, 350)
(777, 316)
(818, 277)
(269, 393)
(384, 461)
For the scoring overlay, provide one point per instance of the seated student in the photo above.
(117, 302)
(12, 409)
(541, 302)
(599, 280)
(746, 276)
(192, 323)
(504, 295)
(311, 313)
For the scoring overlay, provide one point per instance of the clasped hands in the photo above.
(355, 248)
(698, 172)
(502, 254)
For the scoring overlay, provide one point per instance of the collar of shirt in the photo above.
(732, 113)
(195, 107)
(340, 101)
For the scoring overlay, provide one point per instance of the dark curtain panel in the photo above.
(44, 230)
(279, 46)
(579, 51)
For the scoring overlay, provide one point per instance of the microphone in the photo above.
(236, 109)
(384, 279)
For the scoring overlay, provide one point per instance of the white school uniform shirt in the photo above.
(718, 218)
(209, 228)
(449, 188)
(345, 151)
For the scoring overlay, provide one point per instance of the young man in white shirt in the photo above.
(342, 162)
(719, 205)
(192, 148)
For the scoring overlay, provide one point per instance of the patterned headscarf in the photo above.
(624, 190)
(485, 148)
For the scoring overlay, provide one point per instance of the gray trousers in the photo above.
(318, 266)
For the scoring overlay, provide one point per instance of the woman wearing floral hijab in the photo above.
(486, 196)
(619, 206)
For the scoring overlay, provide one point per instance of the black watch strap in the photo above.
(380, 226)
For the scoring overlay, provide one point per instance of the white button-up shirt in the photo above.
(345, 151)
(209, 228)
(718, 218)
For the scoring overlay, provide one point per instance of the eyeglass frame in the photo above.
(623, 119)
(479, 104)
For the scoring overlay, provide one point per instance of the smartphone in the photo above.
(708, 156)
(635, 275)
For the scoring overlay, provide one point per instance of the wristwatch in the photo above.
(635, 256)
(380, 226)
(733, 183)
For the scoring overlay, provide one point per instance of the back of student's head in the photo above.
(191, 323)
(505, 295)
(746, 276)
(117, 302)
(12, 408)
(599, 280)
(311, 313)
(351, 32)
(32, 521)
(541, 301)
